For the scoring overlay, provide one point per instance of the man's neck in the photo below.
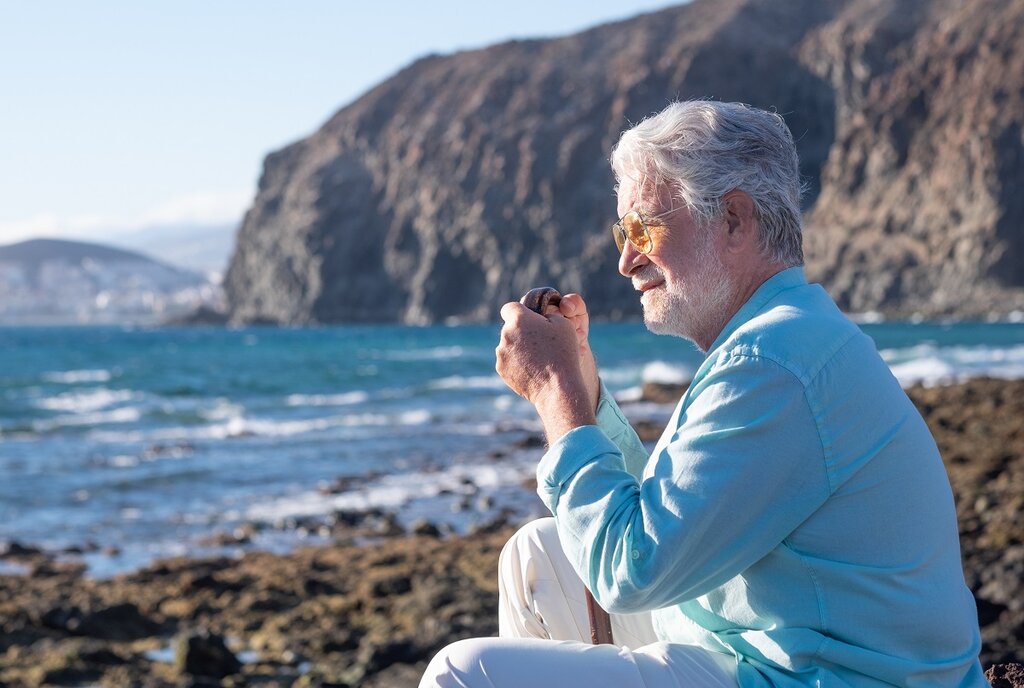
(747, 284)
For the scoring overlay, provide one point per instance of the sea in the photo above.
(119, 446)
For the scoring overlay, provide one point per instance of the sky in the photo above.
(120, 115)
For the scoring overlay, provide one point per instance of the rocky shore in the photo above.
(372, 607)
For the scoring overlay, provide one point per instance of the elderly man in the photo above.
(794, 525)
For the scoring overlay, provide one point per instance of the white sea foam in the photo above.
(393, 491)
(124, 461)
(930, 365)
(121, 415)
(630, 395)
(236, 424)
(344, 399)
(867, 318)
(649, 411)
(471, 382)
(510, 401)
(10, 568)
(85, 401)
(622, 375)
(71, 377)
(442, 353)
(665, 373)
(223, 409)
(281, 428)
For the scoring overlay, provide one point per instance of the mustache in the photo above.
(645, 274)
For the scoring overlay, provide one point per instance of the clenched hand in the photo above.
(547, 360)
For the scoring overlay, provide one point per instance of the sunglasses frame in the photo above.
(621, 236)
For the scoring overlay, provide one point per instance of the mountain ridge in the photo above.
(60, 281)
(463, 180)
(34, 251)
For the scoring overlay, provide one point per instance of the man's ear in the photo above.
(739, 216)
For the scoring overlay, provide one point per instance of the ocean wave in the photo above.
(662, 372)
(123, 461)
(411, 417)
(343, 399)
(71, 377)
(393, 491)
(629, 394)
(867, 317)
(930, 364)
(86, 400)
(621, 375)
(468, 382)
(223, 409)
(431, 354)
(237, 426)
(128, 414)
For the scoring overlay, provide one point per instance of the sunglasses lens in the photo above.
(637, 233)
(619, 235)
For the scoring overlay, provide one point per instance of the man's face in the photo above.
(686, 289)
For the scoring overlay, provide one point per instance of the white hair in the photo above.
(700, 150)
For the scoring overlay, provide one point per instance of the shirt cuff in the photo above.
(567, 456)
(609, 415)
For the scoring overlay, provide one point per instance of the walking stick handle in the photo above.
(537, 300)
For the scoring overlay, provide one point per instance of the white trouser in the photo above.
(545, 635)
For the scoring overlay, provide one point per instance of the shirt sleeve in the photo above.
(614, 424)
(744, 468)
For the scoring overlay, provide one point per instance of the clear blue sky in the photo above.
(118, 114)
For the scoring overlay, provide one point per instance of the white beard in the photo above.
(695, 307)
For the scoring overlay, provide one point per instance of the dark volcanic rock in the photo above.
(1006, 676)
(16, 550)
(464, 180)
(121, 621)
(201, 653)
(979, 427)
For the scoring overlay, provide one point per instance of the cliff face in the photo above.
(922, 206)
(464, 180)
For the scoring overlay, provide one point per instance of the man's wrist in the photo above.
(563, 406)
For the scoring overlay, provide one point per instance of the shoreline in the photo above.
(373, 604)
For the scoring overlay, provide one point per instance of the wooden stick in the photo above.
(600, 621)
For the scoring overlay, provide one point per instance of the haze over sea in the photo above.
(149, 441)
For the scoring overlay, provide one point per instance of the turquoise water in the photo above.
(149, 440)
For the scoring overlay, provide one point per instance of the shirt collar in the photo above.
(769, 289)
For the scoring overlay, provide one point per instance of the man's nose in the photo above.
(630, 260)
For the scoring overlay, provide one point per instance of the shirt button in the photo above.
(636, 554)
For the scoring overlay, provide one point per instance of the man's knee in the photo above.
(459, 665)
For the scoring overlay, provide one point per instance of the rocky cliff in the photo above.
(464, 180)
(922, 206)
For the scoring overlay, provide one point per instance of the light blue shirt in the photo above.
(795, 513)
